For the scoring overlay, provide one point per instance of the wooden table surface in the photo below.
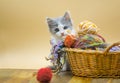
(26, 76)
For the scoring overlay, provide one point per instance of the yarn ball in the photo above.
(44, 75)
(90, 41)
(88, 27)
(69, 40)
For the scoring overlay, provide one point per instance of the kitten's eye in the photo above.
(56, 30)
(65, 27)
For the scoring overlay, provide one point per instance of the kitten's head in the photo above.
(60, 27)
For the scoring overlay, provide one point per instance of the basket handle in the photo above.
(108, 48)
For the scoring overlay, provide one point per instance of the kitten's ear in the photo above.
(67, 16)
(49, 20)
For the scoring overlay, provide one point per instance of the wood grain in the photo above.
(27, 76)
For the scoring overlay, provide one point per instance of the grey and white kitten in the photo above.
(59, 28)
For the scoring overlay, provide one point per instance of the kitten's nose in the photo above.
(62, 34)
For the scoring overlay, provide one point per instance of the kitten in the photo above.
(59, 28)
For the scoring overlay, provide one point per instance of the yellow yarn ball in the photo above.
(88, 27)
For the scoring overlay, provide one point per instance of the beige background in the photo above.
(24, 36)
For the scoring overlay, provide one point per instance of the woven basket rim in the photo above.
(88, 51)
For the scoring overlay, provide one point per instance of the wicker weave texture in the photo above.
(94, 63)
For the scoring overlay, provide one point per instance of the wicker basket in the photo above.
(89, 63)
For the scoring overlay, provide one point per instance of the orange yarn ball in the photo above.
(69, 40)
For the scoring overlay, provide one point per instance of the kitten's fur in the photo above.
(60, 27)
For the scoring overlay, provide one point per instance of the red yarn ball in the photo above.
(44, 75)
